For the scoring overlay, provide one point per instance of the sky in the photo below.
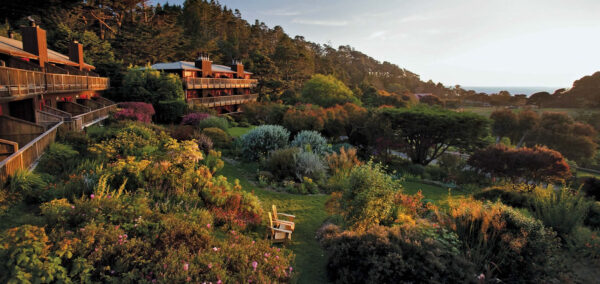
(465, 42)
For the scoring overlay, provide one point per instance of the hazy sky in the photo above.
(466, 42)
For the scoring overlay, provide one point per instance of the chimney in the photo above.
(238, 67)
(34, 41)
(76, 53)
(203, 62)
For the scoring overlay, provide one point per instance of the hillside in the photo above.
(118, 34)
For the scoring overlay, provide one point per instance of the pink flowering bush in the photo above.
(136, 111)
(194, 118)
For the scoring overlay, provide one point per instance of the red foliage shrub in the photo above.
(136, 111)
(194, 118)
(538, 164)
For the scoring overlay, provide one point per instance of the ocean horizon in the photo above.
(527, 90)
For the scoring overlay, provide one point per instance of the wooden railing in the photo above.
(223, 100)
(7, 148)
(81, 121)
(27, 155)
(65, 115)
(47, 119)
(219, 83)
(18, 82)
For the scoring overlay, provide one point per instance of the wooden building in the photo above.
(41, 90)
(224, 88)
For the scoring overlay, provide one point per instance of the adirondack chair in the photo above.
(277, 232)
(290, 218)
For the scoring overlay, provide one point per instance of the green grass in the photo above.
(310, 215)
(239, 131)
(487, 111)
(584, 173)
(432, 192)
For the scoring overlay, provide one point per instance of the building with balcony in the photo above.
(40, 91)
(225, 88)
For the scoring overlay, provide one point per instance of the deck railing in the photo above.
(219, 83)
(26, 156)
(18, 82)
(223, 100)
(83, 120)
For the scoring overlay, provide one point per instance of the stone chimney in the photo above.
(203, 62)
(34, 41)
(76, 53)
(238, 68)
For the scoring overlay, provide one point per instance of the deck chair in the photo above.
(276, 233)
(289, 223)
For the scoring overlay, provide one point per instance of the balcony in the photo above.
(20, 83)
(218, 83)
(223, 100)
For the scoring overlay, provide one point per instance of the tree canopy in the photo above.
(327, 91)
(425, 133)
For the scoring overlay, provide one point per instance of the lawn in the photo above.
(432, 192)
(238, 131)
(310, 215)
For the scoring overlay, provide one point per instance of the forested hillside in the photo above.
(117, 34)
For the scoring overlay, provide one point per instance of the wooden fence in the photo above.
(223, 100)
(26, 156)
(219, 83)
(18, 82)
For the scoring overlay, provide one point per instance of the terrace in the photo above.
(218, 83)
(223, 100)
(23, 83)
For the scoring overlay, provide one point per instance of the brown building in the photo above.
(41, 90)
(224, 88)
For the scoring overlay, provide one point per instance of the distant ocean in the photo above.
(512, 90)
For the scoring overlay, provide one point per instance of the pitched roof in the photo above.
(14, 47)
(187, 65)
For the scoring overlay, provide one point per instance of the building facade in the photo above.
(41, 89)
(225, 88)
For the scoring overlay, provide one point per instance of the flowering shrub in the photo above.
(213, 122)
(219, 137)
(132, 140)
(26, 255)
(385, 255)
(311, 141)
(194, 118)
(136, 111)
(261, 140)
(502, 241)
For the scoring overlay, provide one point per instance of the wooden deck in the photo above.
(21, 83)
(223, 100)
(218, 83)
